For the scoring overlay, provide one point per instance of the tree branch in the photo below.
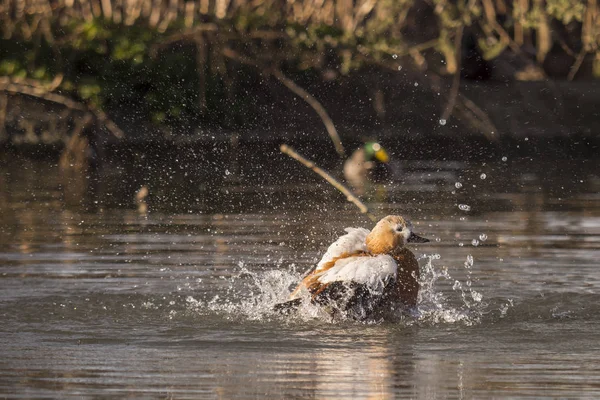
(314, 103)
(38, 91)
(331, 180)
(300, 92)
(456, 79)
(576, 65)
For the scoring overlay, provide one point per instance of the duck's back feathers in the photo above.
(352, 242)
(372, 273)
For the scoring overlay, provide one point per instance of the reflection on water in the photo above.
(104, 301)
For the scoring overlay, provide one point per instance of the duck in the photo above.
(363, 274)
(359, 166)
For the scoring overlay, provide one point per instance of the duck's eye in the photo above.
(399, 229)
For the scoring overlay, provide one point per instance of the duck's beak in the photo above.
(416, 239)
(381, 155)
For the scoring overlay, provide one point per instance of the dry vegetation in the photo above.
(101, 55)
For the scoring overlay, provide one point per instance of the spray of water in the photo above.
(252, 295)
(438, 307)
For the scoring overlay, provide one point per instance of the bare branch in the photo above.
(331, 180)
(456, 79)
(478, 118)
(38, 91)
(3, 107)
(314, 103)
(300, 92)
(474, 115)
(76, 142)
(576, 65)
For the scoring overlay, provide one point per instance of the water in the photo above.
(177, 304)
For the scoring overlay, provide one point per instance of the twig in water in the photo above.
(349, 195)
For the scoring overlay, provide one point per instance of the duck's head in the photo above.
(391, 234)
(375, 152)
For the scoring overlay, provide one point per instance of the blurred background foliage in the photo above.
(182, 64)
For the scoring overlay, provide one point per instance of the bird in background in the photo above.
(364, 274)
(359, 166)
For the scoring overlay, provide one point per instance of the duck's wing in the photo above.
(372, 271)
(350, 243)
(353, 242)
(357, 286)
(375, 272)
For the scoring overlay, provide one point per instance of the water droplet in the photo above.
(438, 239)
(475, 242)
(464, 207)
(394, 56)
(399, 67)
(416, 84)
(483, 176)
(469, 262)
(461, 244)
(442, 122)
(476, 296)
(458, 185)
(504, 158)
(483, 237)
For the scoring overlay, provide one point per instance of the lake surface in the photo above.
(103, 301)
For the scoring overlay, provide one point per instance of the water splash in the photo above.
(252, 295)
(464, 207)
(436, 307)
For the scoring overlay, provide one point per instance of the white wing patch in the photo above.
(351, 242)
(374, 271)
